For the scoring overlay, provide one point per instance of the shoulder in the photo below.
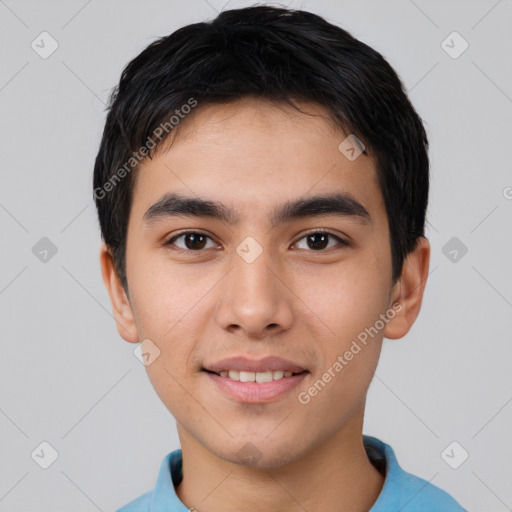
(405, 491)
(423, 496)
(163, 496)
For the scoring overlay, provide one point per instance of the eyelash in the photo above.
(170, 242)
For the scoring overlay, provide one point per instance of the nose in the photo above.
(255, 298)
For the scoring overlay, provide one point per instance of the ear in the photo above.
(121, 306)
(407, 292)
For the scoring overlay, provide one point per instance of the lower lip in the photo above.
(255, 392)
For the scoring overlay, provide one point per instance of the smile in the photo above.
(255, 387)
(244, 376)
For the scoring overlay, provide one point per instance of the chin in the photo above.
(261, 453)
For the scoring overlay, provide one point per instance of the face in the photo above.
(204, 289)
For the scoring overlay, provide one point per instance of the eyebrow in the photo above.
(336, 204)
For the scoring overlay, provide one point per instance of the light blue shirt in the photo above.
(401, 491)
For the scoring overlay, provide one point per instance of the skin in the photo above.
(294, 301)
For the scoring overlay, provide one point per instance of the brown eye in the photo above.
(319, 240)
(192, 240)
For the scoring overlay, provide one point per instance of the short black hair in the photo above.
(276, 54)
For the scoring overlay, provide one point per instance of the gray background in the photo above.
(66, 377)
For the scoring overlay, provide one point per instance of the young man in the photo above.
(261, 185)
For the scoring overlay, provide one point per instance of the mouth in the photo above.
(260, 377)
(255, 387)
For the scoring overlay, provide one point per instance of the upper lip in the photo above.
(253, 365)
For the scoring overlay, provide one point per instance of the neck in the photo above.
(335, 475)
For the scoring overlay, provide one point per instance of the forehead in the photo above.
(252, 154)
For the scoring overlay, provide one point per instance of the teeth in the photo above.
(255, 376)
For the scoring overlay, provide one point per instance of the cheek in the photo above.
(348, 303)
(347, 298)
(166, 305)
(161, 297)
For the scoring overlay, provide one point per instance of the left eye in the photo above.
(195, 241)
(319, 240)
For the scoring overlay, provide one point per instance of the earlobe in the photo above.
(408, 290)
(121, 306)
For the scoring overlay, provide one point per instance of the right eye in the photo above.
(193, 241)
